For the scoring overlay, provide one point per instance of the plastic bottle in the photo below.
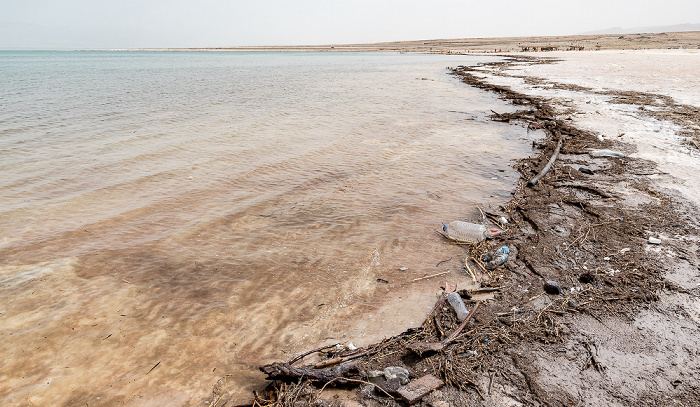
(468, 232)
(499, 258)
(456, 301)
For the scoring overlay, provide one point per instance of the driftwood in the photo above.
(423, 347)
(289, 373)
(546, 168)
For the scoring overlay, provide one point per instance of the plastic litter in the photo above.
(654, 240)
(499, 258)
(456, 302)
(396, 372)
(469, 232)
(607, 153)
(586, 170)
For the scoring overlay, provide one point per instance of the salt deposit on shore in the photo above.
(672, 73)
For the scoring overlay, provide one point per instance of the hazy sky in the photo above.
(48, 24)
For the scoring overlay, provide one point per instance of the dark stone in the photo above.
(390, 386)
(586, 170)
(552, 287)
(586, 278)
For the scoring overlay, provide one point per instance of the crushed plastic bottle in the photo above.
(456, 302)
(468, 232)
(397, 372)
(499, 258)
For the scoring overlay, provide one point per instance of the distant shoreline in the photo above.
(666, 40)
(670, 40)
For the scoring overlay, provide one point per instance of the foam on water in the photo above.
(212, 211)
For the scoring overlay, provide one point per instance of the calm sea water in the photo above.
(207, 212)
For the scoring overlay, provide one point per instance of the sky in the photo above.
(103, 24)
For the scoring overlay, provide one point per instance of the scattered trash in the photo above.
(381, 280)
(586, 170)
(606, 258)
(403, 268)
(456, 302)
(351, 346)
(654, 240)
(499, 258)
(552, 287)
(625, 250)
(607, 153)
(504, 220)
(471, 353)
(468, 232)
(396, 372)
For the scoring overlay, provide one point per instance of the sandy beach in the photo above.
(617, 234)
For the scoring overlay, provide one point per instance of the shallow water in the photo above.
(206, 212)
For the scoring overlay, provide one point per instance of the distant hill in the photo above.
(638, 30)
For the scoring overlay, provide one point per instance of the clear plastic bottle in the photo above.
(499, 258)
(468, 232)
(456, 302)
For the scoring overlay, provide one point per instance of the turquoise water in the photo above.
(218, 210)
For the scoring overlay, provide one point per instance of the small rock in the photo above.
(654, 240)
(420, 388)
(586, 278)
(390, 386)
(552, 287)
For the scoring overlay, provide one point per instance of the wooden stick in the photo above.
(422, 347)
(466, 264)
(305, 354)
(546, 168)
(336, 360)
(454, 334)
(431, 276)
